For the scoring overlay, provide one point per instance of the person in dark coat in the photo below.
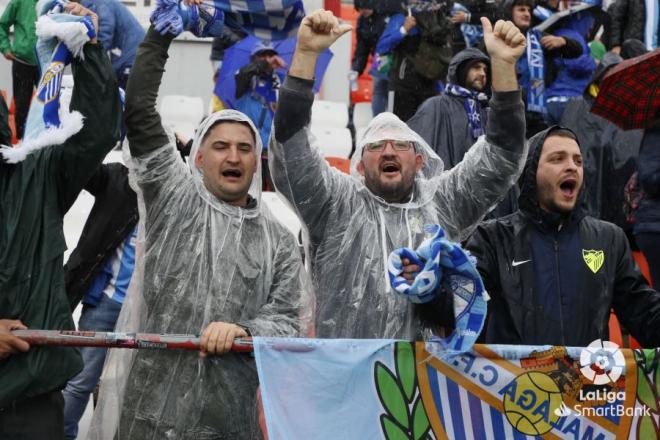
(420, 44)
(370, 26)
(609, 153)
(629, 21)
(647, 224)
(36, 193)
(554, 273)
(542, 50)
(452, 122)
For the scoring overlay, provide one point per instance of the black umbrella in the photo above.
(584, 18)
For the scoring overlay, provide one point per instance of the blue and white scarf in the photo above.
(473, 34)
(268, 20)
(531, 69)
(61, 37)
(444, 264)
(472, 107)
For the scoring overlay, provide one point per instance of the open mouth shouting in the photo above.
(232, 174)
(568, 188)
(390, 168)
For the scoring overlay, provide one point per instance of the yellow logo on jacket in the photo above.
(594, 259)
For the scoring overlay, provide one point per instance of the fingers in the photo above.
(324, 22)
(218, 337)
(486, 24)
(10, 344)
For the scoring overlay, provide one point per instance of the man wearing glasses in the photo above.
(396, 187)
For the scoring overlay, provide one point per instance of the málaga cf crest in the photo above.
(594, 259)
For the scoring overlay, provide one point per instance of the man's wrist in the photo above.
(304, 64)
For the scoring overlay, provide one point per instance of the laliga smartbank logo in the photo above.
(534, 402)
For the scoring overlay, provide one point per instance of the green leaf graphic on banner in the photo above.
(420, 420)
(392, 430)
(645, 393)
(391, 395)
(405, 368)
(647, 428)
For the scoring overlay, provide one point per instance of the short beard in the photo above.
(399, 193)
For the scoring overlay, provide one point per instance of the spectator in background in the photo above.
(537, 70)
(466, 17)
(632, 48)
(119, 32)
(609, 153)
(452, 122)
(370, 26)
(420, 44)
(647, 224)
(22, 15)
(256, 96)
(573, 75)
(228, 38)
(634, 19)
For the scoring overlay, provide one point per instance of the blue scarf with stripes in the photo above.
(267, 20)
(446, 268)
(471, 103)
(531, 70)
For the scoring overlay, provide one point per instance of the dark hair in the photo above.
(563, 132)
(228, 121)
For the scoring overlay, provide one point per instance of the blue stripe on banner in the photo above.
(456, 412)
(477, 418)
(435, 390)
(496, 420)
(517, 435)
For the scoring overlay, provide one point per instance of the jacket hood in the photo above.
(471, 54)
(206, 125)
(506, 7)
(528, 199)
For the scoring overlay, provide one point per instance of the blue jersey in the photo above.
(114, 278)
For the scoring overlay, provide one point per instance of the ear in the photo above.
(419, 160)
(199, 158)
(360, 168)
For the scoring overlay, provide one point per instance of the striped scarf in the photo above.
(266, 19)
(471, 103)
(61, 37)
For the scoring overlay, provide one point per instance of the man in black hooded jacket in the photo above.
(554, 273)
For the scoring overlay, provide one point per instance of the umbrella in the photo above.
(238, 56)
(580, 18)
(628, 94)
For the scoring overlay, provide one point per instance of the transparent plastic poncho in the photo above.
(200, 260)
(349, 232)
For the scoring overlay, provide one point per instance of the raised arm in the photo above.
(493, 164)
(299, 171)
(96, 96)
(145, 131)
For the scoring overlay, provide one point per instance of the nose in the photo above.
(233, 155)
(388, 150)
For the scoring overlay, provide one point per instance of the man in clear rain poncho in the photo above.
(213, 259)
(396, 187)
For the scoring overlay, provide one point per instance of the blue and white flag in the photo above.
(267, 20)
(61, 37)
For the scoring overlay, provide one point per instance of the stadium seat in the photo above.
(329, 114)
(364, 89)
(341, 163)
(182, 113)
(282, 212)
(362, 114)
(333, 141)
